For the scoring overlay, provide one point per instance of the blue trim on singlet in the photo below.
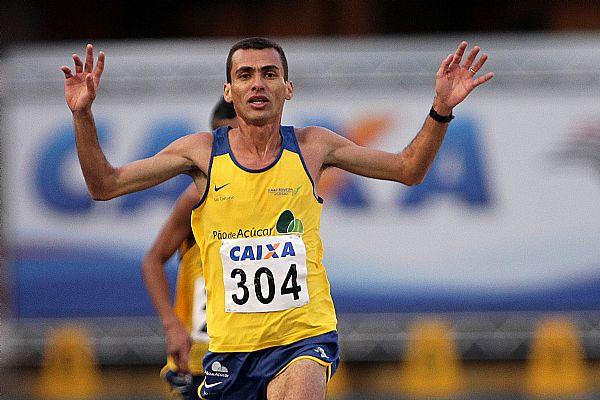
(216, 145)
(288, 131)
(221, 146)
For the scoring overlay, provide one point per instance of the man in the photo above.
(269, 310)
(185, 322)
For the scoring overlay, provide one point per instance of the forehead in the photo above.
(255, 58)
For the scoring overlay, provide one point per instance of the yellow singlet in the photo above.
(190, 304)
(258, 233)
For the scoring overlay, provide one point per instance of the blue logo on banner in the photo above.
(51, 172)
(51, 176)
(457, 171)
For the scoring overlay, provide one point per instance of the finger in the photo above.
(483, 79)
(89, 81)
(89, 58)
(67, 71)
(78, 64)
(471, 57)
(445, 64)
(480, 62)
(184, 361)
(99, 67)
(459, 53)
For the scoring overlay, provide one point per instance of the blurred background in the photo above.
(482, 282)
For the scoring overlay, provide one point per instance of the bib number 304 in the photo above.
(264, 274)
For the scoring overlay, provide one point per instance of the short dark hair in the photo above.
(258, 43)
(222, 110)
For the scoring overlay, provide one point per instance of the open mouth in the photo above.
(258, 101)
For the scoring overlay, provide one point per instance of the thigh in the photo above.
(304, 379)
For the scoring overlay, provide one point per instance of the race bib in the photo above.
(199, 311)
(264, 274)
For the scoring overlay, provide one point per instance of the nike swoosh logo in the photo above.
(208, 386)
(217, 188)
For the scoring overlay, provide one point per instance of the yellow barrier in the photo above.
(340, 384)
(556, 366)
(432, 368)
(69, 370)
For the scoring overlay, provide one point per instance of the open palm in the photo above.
(454, 82)
(80, 88)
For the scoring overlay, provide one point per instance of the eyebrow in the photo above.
(249, 69)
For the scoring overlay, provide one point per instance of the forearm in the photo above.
(418, 156)
(158, 289)
(96, 169)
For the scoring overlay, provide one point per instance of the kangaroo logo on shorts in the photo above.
(287, 223)
(321, 352)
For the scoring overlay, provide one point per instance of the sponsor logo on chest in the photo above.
(262, 251)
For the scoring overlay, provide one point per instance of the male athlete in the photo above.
(185, 322)
(271, 320)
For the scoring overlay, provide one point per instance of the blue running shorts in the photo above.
(183, 386)
(245, 376)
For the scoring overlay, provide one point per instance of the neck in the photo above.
(262, 140)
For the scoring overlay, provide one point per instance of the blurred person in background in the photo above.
(185, 322)
(269, 308)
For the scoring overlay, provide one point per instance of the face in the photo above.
(257, 87)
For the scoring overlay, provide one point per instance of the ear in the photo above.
(290, 90)
(227, 92)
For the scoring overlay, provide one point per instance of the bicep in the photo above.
(363, 161)
(148, 172)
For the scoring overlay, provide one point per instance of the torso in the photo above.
(258, 202)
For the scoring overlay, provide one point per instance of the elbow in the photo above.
(153, 260)
(101, 192)
(415, 180)
(412, 178)
(148, 264)
(100, 195)
(412, 174)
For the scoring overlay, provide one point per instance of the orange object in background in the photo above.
(432, 367)
(69, 369)
(556, 366)
(340, 384)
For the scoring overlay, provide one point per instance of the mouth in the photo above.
(258, 101)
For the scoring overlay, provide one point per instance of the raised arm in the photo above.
(102, 179)
(453, 84)
(174, 232)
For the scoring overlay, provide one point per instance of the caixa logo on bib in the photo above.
(262, 252)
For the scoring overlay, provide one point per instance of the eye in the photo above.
(244, 75)
(270, 74)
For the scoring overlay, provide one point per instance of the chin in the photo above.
(260, 119)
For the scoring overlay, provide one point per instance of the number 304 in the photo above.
(289, 286)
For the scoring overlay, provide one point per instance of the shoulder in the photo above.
(323, 139)
(192, 143)
(314, 135)
(203, 139)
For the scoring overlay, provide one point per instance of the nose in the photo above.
(258, 83)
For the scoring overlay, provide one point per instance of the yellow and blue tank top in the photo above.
(190, 303)
(258, 234)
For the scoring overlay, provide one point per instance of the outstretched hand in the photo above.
(80, 89)
(454, 82)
